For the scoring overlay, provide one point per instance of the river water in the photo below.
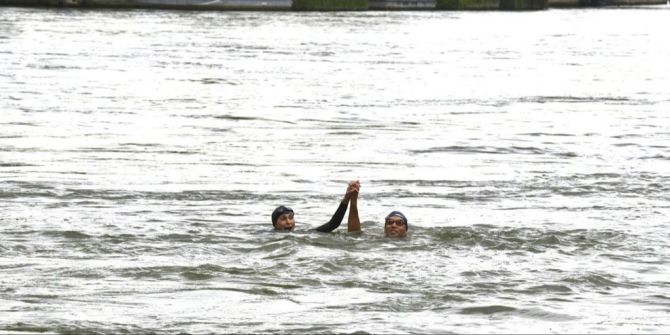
(142, 152)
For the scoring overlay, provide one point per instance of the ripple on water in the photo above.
(599, 280)
(68, 234)
(18, 189)
(548, 288)
(577, 99)
(76, 327)
(488, 310)
(17, 266)
(542, 314)
(530, 313)
(196, 273)
(523, 239)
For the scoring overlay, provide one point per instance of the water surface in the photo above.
(142, 152)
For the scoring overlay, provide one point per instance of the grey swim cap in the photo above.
(400, 215)
(278, 212)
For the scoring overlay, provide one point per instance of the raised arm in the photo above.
(353, 223)
(337, 218)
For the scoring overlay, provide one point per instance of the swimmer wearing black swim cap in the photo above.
(283, 218)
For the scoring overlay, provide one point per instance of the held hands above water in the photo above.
(352, 190)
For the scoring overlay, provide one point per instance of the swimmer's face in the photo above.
(285, 222)
(395, 227)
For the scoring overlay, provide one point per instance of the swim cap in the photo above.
(400, 215)
(279, 211)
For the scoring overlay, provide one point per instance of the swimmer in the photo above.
(395, 224)
(283, 218)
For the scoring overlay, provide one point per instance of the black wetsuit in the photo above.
(335, 221)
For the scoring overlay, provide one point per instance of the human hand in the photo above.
(353, 188)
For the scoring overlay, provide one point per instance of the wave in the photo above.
(491, 309)
(516, 150)
(59, 327)
(19, 189)
(615, 100)
(634, 184)
(525, 239)
(599, 280)
(68, 234)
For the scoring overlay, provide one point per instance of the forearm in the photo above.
(353, 223)
(336, 220)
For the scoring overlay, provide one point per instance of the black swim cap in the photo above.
(400, 215)
(278, 212)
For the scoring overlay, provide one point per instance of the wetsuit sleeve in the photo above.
(335, 220)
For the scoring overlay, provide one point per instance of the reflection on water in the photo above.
(142, 152)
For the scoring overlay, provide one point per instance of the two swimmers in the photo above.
(395, 225)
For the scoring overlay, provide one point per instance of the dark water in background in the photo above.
(141, 153)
